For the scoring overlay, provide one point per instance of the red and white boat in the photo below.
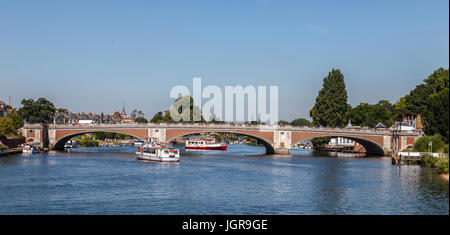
(205, 144)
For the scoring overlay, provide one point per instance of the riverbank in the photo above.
(10, 151)
(444, 177)
(18, 151)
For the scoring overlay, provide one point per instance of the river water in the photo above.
(108, 180)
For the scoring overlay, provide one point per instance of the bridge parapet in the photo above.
(32, 125)
(224, 126)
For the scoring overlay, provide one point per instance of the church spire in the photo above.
(124, 114)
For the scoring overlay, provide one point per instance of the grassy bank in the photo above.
(441, 164)
(88, 143)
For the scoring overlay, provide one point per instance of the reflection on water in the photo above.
(242, 180)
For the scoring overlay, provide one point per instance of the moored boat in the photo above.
(70, 144)
(28, 148)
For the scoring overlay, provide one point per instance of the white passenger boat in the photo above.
(71, 144)
(156, 152)
(30, 149)
(138, 142)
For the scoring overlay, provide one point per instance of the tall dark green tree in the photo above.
(331, 107)
(39, 111)
(419, 98)
(436, 115)
(431, 100)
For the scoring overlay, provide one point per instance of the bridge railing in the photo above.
(32, 125)
(223, 126)
(422, 154)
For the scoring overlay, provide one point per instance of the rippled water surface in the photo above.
(239, 181)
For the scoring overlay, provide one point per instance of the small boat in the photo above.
(205, 144)
(28, 148)
(156, 152)
(70, 144)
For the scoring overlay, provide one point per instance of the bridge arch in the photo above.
(60, 142)
(267, 143)
(372, 145)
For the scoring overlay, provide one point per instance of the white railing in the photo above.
(420, 154)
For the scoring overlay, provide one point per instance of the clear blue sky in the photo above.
(93, 55)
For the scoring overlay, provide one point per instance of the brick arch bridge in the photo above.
(277, 139)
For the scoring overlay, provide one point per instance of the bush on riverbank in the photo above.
(429, 161)
(441, 164)
(88, 143)
(320, 142)
(422, 144)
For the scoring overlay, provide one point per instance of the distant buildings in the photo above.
(5, 109)
(380, 126)
(409, 123)
(344, 144)
(2, 109)
(350, 126)
(74, 118)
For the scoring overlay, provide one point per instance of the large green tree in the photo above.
(141, 120)
(300, 122)
(419, 98)
(177, 107)
(431, 100)
(283, 123)
(320, 142)
(18, 120)
(436, 115)
(371, 114)
(331, 107)
(158, 117)
(422, 144)
(7, 127)
(39, 111)
(186, 115)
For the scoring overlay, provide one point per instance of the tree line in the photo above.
(430, 99)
